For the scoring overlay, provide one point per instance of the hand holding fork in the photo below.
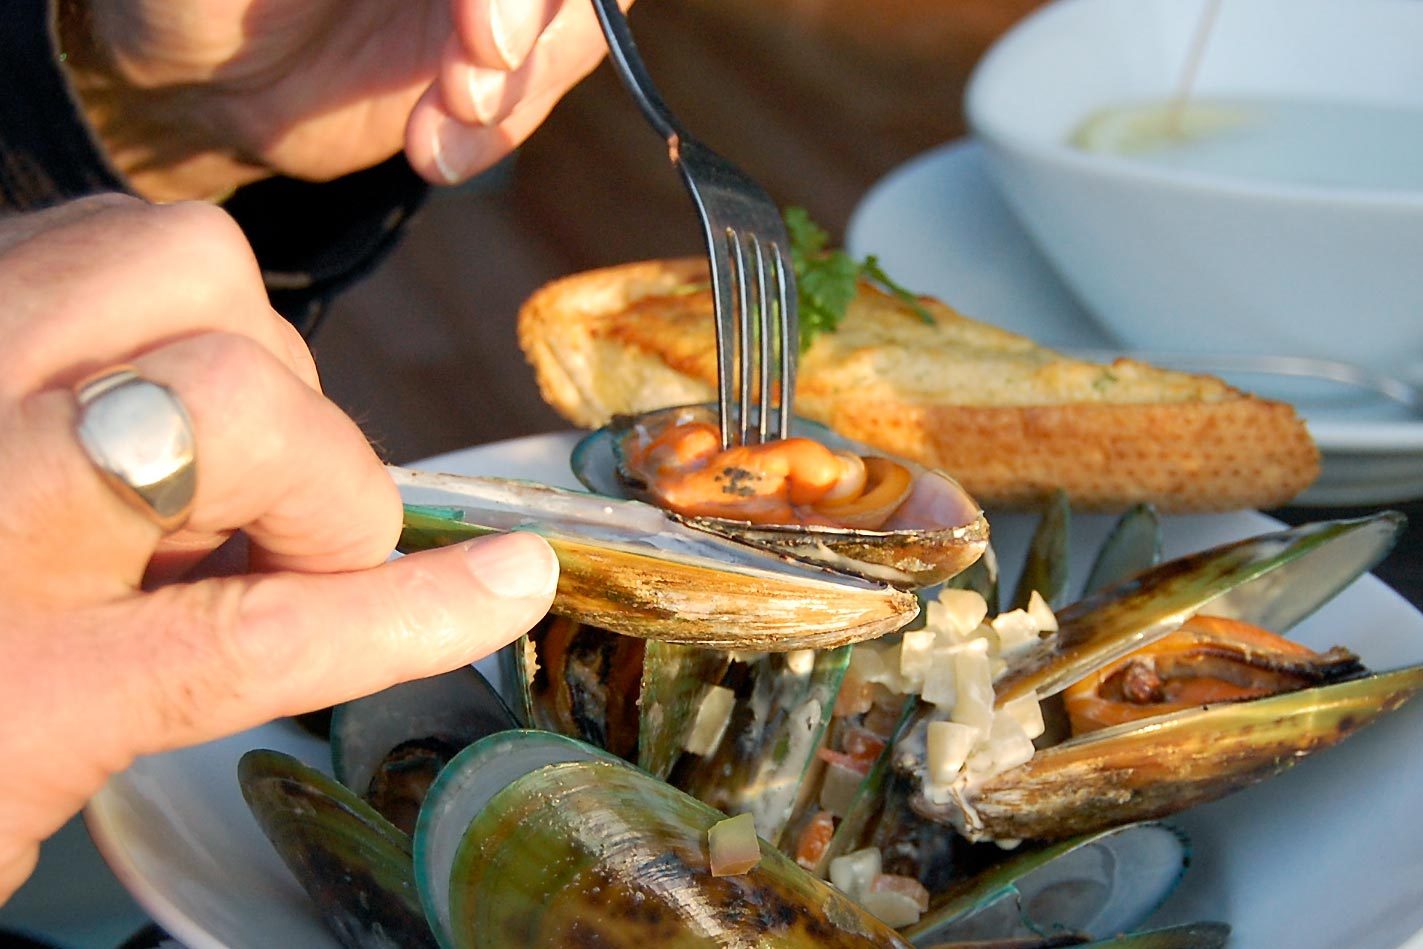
(753, 284)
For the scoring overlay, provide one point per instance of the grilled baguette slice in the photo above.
(1011, 420)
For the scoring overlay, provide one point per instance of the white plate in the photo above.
(940, 226)
(1327, 855)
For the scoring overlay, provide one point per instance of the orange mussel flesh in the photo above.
(785, 482)
(1209, 659)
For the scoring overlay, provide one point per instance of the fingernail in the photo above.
(445, 148)
(486, 93)
(514, 29)
(515, 566)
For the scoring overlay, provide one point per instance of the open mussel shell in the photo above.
(1272, 581)
(354, 864)
(1164, 764)
(935, 534)
(631, 568)
(531, 839)
(389, 746)
(1097, 885)
(1159, 766)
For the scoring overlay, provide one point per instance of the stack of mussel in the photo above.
(698, 666)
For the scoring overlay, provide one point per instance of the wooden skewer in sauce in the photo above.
(786, 482)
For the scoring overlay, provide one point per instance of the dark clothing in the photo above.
(311, 239)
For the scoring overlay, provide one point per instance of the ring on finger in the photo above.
(140, 438)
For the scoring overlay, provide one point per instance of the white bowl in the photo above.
(1175, 260)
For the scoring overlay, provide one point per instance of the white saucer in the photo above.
(940, 226)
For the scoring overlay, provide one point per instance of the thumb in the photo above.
(219, 656)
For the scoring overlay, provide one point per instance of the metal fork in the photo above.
(753, 284)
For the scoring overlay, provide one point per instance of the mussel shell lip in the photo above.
(972, 532)
(463, 789)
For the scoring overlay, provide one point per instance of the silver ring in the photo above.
(138, 434)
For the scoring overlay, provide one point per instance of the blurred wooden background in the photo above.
(817, 99)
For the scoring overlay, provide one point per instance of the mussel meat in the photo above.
(816, 496)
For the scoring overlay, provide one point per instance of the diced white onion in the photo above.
(949, 744)
(853, 873)
(1041, 613)
(939, 687)
(890, 677)
(956, 614)
(1027, 712)
(800, 662)
(915, 653)
(867, 663)
(973, 682)
(713, 715)
(838, 787)
(1015, 629)
(1008, 743)
(732, 846)
(891, 908)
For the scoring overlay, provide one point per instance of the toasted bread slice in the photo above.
(1011, 420)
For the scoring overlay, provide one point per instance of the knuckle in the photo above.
(414, 617)
(234, 373)
(204, 242)
(420, 604)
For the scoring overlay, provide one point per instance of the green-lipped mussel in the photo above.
(630, 567)
(1163, 763)
(930, 531)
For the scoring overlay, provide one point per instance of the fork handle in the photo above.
(633, 73)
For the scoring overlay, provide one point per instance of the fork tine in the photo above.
(790, 341)
(765, 316)
(743, 335)
(723, 304)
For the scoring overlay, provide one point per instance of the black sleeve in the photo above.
(311, 239)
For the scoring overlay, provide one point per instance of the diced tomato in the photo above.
(863, 744)
(860, 766)
(856, 697)
(814, 838)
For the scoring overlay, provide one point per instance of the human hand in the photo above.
(195, 96)
(104, 655)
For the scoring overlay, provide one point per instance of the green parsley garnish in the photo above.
(825, 279)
